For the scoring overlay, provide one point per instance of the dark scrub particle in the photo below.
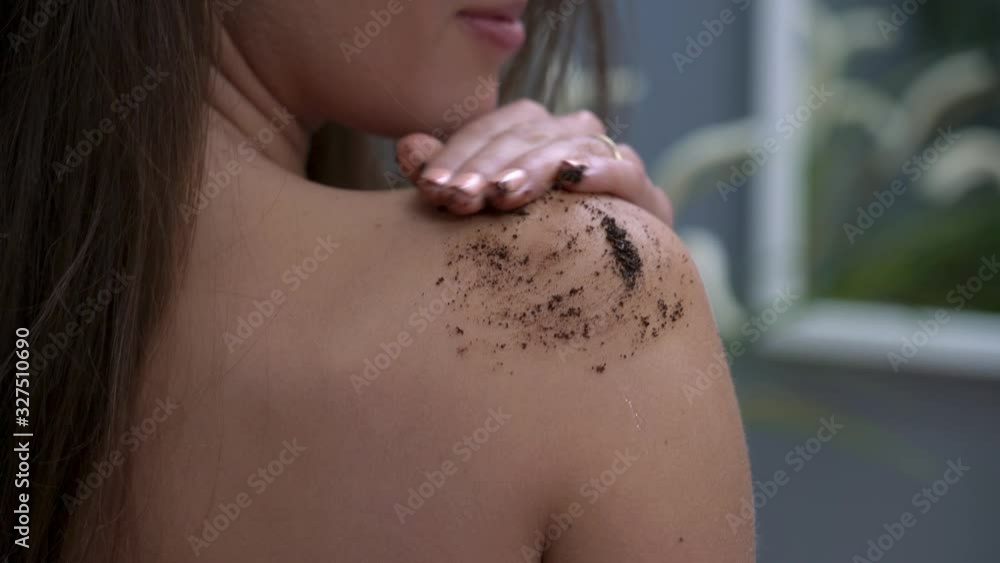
(626, 256)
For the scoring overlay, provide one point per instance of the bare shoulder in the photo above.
(564, 267)
(577, 278)
(595, 311)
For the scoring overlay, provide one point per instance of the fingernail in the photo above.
(468, 184)
(416, 167)
(435, 177)
(510, 181)
(570, 173)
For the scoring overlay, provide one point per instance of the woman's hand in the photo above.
(510, 157)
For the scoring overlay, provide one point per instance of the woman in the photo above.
(231, 361)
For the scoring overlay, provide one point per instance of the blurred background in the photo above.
(836, 170)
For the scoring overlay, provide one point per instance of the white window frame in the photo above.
(848, 333)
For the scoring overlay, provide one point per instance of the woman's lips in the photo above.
(500, 28)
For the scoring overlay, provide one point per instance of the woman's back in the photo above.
(357, 378)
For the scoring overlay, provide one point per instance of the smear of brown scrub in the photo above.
(524, 290)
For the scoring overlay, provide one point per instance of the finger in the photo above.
(498, 155)
(629, 154)
(536, 170)
(582, 123)
(624, 179)
(470, 139)
(548, 143)
(413, 151)
(661, 205)
(598, 146)
(497, 164)
(464, 195)
(651, 198)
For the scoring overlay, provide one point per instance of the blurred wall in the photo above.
(898, 432)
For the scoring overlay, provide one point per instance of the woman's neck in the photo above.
(244, 113)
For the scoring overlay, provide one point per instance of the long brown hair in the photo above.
(104, 127)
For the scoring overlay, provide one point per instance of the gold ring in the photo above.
(611, 145)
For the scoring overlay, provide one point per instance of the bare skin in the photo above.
(276, 420)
